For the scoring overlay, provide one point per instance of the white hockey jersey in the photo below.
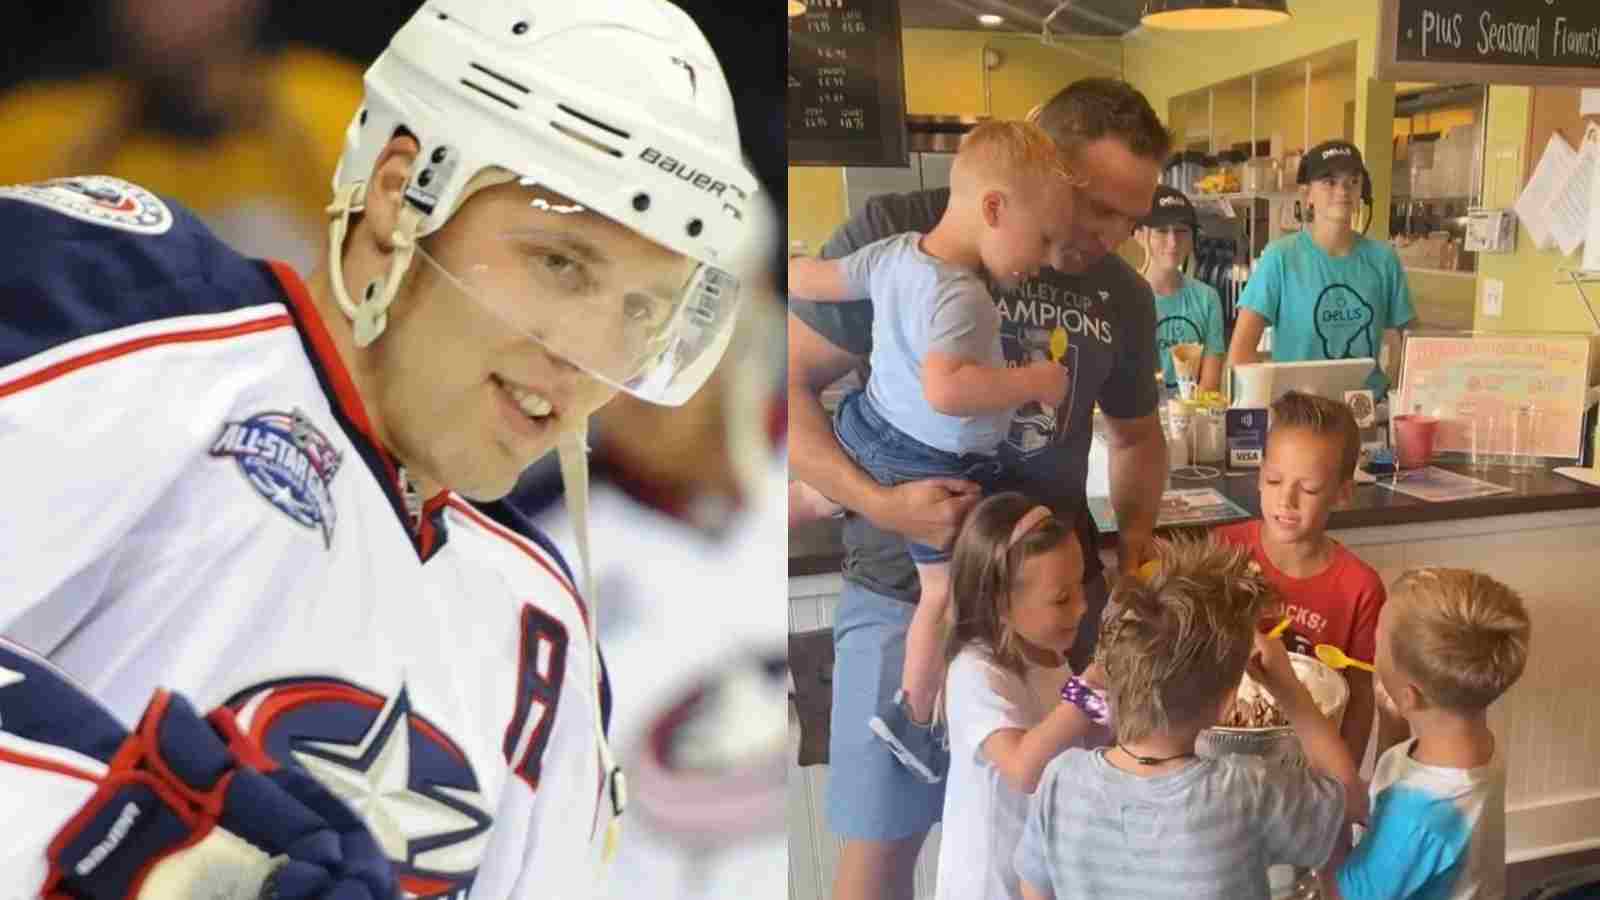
(195, 502)
(695, 630)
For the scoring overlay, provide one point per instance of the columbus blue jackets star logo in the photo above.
(408, 780)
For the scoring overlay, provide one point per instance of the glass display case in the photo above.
(1438, 161)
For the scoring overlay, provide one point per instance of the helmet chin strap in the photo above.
(369, 315)
(573, 453)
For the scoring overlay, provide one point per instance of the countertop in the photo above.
(816, 548)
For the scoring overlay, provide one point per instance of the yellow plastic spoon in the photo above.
(1278, 629)
(1335, 658)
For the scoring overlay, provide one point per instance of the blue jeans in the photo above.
(893, 457)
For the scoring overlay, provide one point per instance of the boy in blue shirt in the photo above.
(1450, 642)
(1327, 291)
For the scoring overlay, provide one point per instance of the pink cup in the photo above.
(1413, 438)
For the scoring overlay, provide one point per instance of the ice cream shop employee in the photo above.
(1328, 291)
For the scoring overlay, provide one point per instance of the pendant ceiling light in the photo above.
(796, 8)
(1213, 15)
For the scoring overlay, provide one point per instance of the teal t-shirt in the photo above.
(1193, 315)
(1325, 307)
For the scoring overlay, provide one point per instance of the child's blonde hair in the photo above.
(1175, 645)
(1460, 635)
(1014, 156)
(983, 571)
(1323, 417)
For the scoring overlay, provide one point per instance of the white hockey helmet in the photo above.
(619, 105)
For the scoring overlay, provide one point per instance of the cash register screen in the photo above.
(1259, 384)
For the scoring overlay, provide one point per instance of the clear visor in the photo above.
(624, 309)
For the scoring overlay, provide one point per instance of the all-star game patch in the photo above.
(98, 199)
(289, 462)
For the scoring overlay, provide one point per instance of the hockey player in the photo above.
(279, 497)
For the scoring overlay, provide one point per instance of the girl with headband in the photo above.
(1011, 701)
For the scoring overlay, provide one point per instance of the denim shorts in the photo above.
(893, 457)
(871, 795)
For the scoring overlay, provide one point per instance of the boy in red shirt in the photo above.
(1330, 595)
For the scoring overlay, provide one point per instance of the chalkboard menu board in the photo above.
(846, 98)
(1490, 41)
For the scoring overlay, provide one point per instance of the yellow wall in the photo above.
(1280, 108)
(1442, 299)
(944, 77)
(1533, 300)
(1231, 116)
(1165, 64)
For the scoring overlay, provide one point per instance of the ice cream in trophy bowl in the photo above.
(1255, 726)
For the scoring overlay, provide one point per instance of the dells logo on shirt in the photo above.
(1344, 323)
(289, 462)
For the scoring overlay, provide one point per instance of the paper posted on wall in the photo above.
(1574, 207)
(1533, 204)
(1591, 237)
(1555, 203)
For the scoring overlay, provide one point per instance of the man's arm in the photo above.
(1211, 373)
(957, 386)
(821, 280)
(1138, 451)
(1246, 335)
(1356, 727)
(928, 511)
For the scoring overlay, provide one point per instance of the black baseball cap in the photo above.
(1170, 206)
(1330, 158)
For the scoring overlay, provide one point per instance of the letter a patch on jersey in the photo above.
(289, 462)
(100, 200)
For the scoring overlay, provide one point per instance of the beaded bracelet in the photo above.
(1078, 692)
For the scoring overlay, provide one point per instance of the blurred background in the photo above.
(237, 109)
